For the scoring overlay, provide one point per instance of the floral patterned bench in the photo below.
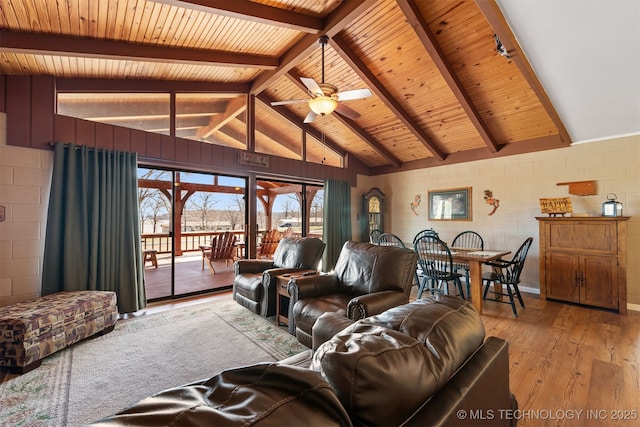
(34, 329)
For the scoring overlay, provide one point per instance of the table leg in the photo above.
(475, 275)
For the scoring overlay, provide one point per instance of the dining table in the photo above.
(475, 258)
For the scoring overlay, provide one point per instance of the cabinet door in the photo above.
(561, 274)
(599, 284)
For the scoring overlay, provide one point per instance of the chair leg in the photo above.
(513, 303)
(421, 287)
(486, 288)
(213, 270)
(468, 282)
(517, 291)
(459, 285)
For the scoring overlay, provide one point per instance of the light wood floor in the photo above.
(566, 358)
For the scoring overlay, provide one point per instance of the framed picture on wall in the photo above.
(450, 205)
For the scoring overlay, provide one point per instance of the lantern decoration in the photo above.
(611, 207)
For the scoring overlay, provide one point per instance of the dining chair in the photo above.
(390, 239)
(425, 232)
(374, 236)
(507, 273)
(436, 266)
(467, 240)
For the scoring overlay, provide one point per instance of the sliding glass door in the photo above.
(286, 209)
(180, 213)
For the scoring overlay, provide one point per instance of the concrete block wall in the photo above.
(519, 182)
(25, 180)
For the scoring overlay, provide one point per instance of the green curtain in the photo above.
(93, 235)
(337, 220)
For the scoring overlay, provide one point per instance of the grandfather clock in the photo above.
(372, 212)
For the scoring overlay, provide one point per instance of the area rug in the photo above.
(142, 356)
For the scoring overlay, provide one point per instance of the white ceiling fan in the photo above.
(325, 97)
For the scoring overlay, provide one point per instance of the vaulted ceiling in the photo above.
(441, 91)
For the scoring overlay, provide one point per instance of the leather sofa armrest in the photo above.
(312, 286)
(484, 380)
(328, 325)
(375, 303)
(243, 266)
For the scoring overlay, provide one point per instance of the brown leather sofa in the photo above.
(426, 363)
(367, 279)
(254, 283)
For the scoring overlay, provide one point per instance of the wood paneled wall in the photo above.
(29, 102)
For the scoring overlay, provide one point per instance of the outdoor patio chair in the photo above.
(222, 248)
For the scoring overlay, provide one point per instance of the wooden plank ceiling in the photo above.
(442, 93)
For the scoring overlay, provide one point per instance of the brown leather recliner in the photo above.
(368, 279)
(254, 284)
(426, 363)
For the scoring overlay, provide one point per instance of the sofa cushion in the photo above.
(412, 349)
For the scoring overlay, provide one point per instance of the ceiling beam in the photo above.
(342, 16)
(416, 20)
(137, 85)
(497, 21)
(284, 112)
(57, 45)
(352, 126)
(342, 48)
(250, 11)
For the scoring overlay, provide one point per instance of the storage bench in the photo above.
(34, 329)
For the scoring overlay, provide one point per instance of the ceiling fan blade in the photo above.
(310, 117)
(347, 112)
(289, 101)
(349, 95)
(312, 86)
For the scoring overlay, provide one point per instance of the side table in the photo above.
(283, 292)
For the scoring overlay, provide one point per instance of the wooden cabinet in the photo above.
(583, 260)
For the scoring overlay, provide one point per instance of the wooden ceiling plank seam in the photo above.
(214, 28)
(334, 23)
(140, 22)
(107, 49)
(154, 23)
(497, 21)
(8, 16)
(42, 15)
(120, 20)
(197, 25)
(181, 27)
(420, 26)
(83, 12)
(95, 23)
(340, 45)
(250, 11)
(305, 127)
(352, 126)
(164, 36)
(133, 21)
(31, 15)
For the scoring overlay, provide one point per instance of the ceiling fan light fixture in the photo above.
(323, 105)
